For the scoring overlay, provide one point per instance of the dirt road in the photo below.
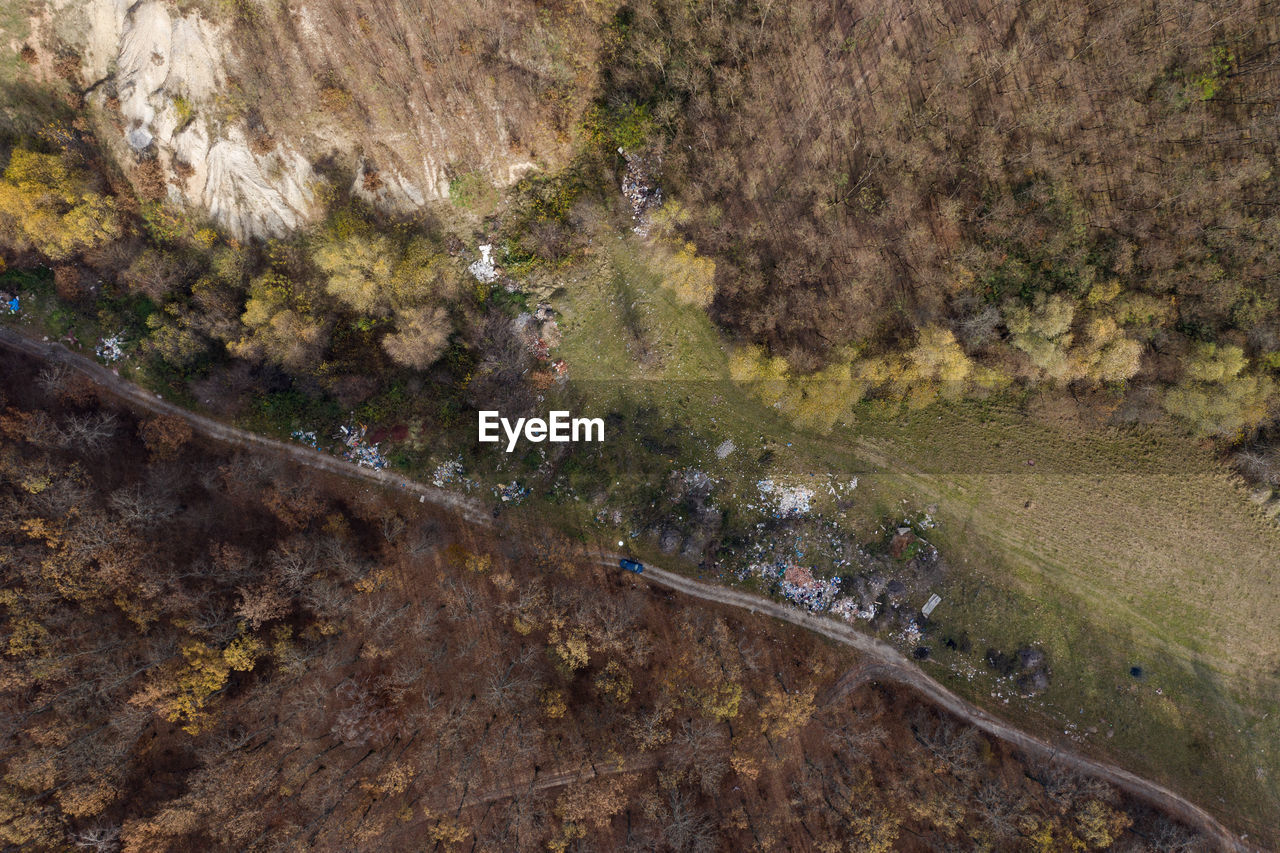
(124, 389)
(890, 664)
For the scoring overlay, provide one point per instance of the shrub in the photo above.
(473, 191)
(47, 205)
(420, 338)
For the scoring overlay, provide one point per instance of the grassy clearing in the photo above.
(14, 31)
(1115, 549)
(1109, 548)
(1152, 534)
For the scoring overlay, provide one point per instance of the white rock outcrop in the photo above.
(238, 119)
(166, 70)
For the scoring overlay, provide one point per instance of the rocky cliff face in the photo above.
(250, 108)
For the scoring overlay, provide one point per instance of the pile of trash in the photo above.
(786, 501)
(848, 609)
(798, 585)
(307, 438)
(359, 450)
(640, 188)
(541, 334)
(483, 268)
(513, 493)
(111, 349)
(447, 472)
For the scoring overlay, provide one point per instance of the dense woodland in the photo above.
(970, 194)
(911, 203)
(214, 650)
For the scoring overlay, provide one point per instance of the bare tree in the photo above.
(88, 433)
(423, 540)
(392, 526)
(141, 507)
(52, 378)
(101, 839)
(999, 809)
(686, 827)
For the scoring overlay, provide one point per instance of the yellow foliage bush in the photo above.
(783, 714)
(569, 648)
(553, 704)
(722, 702)
(48, 206)
(693, 278)
(183, 695)
(1216, 396)
(279, 324)
(614, 683)
(1043, 330)
(358, 271)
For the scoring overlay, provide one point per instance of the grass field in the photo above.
(1111, 548)
(1115, 549)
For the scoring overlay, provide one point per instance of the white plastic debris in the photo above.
(306, 437)
(111, 349)
(483, 268)
(788, 501)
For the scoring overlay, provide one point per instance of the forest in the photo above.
(931, 203)
(934, 202)
(212, 649)
(850, 217)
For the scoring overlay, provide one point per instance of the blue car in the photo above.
(631, 565)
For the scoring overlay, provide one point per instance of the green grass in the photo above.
(1115, 548)
(15, 28)
(1136, 549)
(473, 191)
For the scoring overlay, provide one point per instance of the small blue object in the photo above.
(13, 305)
(631, 565)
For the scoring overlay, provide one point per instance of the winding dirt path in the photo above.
(123, 389)
(888, 663)
(892, 665)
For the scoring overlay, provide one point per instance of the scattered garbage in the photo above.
(447, 472)
(483, 268)
(798, 585)
(541, 333)
(307, 438)
(359, 450)
(787, 501)
(641, 189)
(512, 493)
(801, 587)
(726, 447)
(111, 349)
